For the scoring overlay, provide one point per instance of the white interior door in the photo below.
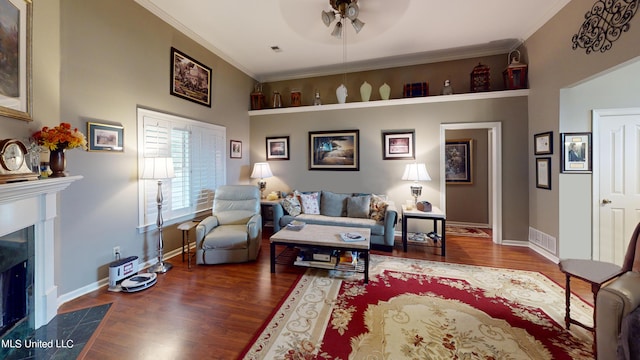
(617, 201)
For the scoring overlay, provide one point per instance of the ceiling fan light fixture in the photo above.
(337, 30)
(328, 17)
(357, 25)
(352, 11)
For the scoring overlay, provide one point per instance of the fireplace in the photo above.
(27, 221)
(16, 277)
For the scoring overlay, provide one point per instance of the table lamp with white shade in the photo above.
(159, 168)
(261, 171)
(416, 172)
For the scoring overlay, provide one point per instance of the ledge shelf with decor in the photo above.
(395, 102)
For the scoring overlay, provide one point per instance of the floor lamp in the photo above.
(159, 169)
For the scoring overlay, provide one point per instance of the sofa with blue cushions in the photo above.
(371, 211)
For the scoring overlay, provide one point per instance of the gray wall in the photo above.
(555, 66)
(383, 176)
(99, 61)
(469, 203)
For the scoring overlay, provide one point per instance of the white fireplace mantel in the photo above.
(34, 203)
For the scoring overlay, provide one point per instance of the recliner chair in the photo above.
(617, 300)
(233, 233)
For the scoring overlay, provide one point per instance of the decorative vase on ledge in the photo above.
(57, 163)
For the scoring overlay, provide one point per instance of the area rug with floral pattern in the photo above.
(468, 231)
(416, 309)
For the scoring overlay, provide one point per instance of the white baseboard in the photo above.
(544, 253)
(468, 224)
(62, 299)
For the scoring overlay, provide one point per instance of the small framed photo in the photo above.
(576, 152)
(190, 79)
(278, 148)
(458, 155)
(543, 173)
(543, 143)
(334, 150)
(398, 145)
(235, 149)
(103, 137)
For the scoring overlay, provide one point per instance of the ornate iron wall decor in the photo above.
(604, 24)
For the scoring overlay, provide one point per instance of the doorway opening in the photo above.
(494, 188)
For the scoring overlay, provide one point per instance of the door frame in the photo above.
(596, 118)
(495, 170)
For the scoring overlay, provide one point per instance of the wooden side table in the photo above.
(186, 227)
(595, 273)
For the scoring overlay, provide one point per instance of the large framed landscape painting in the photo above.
(15, 59)
(458, 161)
(190, 79)
(334, 150)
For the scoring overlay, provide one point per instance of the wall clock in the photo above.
(13, 162)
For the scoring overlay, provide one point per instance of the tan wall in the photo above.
(554, 66)
(469, 203)
(435, 74)
(383, 176)
(100, 60)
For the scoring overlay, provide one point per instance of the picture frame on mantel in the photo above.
(16, 96)
(190, 79)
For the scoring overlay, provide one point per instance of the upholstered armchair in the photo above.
(233, 232)
(617, 309)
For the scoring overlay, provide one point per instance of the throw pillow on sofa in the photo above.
(291, 205)
(358, 206)
(310, 202)
(378, 207)
(333, 204)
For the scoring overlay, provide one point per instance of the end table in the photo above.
(186, 227)
(595, 273)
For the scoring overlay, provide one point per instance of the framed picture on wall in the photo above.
(576, 152)
(235, 149)
(15, 54)
(398, 145)
(543, 173)
(190, 79)
(103, 137)
(458, 161)
(278, 148)
(334, 150)
(543, 143)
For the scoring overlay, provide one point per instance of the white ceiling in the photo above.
(396, 32)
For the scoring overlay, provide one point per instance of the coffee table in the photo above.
(322, 237)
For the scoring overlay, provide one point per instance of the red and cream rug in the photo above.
(415, 309)
(467, 231)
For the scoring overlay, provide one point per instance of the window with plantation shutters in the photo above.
(198, 153)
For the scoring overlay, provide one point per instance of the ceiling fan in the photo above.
(345, 9)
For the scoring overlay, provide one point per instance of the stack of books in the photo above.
(325, 259)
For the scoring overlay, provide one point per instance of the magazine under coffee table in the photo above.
(323, 237)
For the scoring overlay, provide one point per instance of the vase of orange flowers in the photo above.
(58, 139)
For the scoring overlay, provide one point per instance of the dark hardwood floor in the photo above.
(212, 312)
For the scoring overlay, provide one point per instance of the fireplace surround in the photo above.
(34, 204)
